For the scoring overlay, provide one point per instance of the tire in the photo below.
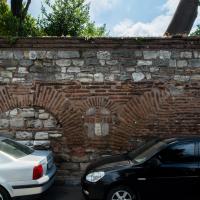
(121, 193)
(4, 194)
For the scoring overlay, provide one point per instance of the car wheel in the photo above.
(4, 194)
(121, 193)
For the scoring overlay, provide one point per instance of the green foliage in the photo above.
(11, 25)
(66, 18)
(196, 32)
(69, 18)
(90, 30)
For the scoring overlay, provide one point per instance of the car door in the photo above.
(176, 171)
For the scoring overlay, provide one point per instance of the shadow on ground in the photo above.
(62, 193)
(74, 193)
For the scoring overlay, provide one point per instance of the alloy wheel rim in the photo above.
(1, 197)
(122, 195)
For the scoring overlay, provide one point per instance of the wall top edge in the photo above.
(100, 43)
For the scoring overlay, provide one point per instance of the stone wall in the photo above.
(89, 98)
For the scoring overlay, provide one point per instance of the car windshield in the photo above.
(14, 149)
(145, 152)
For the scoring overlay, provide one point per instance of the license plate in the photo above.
(50, 164)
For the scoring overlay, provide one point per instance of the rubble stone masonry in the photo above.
(89, 98)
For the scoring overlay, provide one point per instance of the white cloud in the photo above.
(156, 27)
(197, 22)
(97, 6)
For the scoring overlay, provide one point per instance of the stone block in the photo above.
(85, 77)
(186, 54)
(195, 77)
(41, 54)
(150, 54)
(41, 144)
(64, 77)
(41, 111)
(4, 123)
(27, 113)
(103, 55)
(154, 69)
(55, 135)
(50, 54)
(138, 54)
(91, 61)
(181, 78)
(78, 63)
(98, 77)
(17, 123)
(13, 113)
(43, 116)
(18, 80)
(130, 69)
(26, 63)
(172, 63)
(102, 62)
(37, 123)
(63, 69)
(24, 135)
(49, 123)
(63, 62)
(68, 54)
(22, 70)
(165, 54)
(74, 70)
(138, 76)
(194, 63)
(41, 136)
(112, 62)
(182, 63)
(6, 55)
(196, 54)
(144, 62)
(88, 54)
(6, 74)
(148, 76)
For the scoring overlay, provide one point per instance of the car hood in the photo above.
(110, 162)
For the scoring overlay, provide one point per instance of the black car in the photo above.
(160, 167)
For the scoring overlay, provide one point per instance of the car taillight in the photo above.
(37, 172)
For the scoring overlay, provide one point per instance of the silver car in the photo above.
(24, 171)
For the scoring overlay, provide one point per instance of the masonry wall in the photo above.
(87, 98)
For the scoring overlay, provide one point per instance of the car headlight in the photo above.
(95, 176)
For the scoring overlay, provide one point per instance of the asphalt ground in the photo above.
(62, 193)
(74, 193)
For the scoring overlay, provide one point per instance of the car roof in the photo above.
(181, 139)
(3, 138)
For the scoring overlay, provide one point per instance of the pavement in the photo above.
(74, 193)
(62, 193)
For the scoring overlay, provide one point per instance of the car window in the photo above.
(14, 149)
(179, 153)
(147, 153)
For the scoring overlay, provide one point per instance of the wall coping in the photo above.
(100, 43)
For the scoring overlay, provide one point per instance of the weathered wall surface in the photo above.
(86, 98)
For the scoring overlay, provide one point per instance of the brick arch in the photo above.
(98, 102)
(48, 97)
(135, 114)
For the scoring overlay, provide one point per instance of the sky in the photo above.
(129, 18)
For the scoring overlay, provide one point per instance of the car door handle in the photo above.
(142, 179)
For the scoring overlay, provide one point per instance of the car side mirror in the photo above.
(154, 163)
